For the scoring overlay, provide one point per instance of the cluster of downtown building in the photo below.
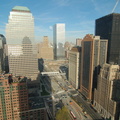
(20, 66)
(93, 64)
(19, 83)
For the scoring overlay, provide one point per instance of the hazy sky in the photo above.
(78, 15)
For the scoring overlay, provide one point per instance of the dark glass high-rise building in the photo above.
(2, 53)
(94, 52)
(108, 27)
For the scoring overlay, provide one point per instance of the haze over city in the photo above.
(78, 15)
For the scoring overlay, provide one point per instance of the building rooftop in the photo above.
(76, 49)
(20, 8)
(36, 102)
(108, 15)
(13, 79)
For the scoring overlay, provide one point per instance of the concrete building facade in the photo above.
(104, 102)
(14, 102)
(45, 49)
(74, 66)
(68, 46)
(78, 41)
(94, 53)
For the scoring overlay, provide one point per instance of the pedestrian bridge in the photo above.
(51, 73)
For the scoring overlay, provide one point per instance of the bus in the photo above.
(73, 115)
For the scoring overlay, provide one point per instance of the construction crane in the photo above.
(115, 5)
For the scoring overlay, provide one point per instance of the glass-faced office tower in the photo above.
(20, 24)
(108, 27)
(59, 40)
(22, 53)
(94, 53)
(2, 53)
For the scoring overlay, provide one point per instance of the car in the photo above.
(58, 108)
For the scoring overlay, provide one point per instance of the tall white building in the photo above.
(20, 24)
(21, 50)
(59, 40)
(74, 66)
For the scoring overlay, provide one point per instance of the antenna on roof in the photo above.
(115, 6)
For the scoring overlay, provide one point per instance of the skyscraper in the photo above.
(104, 101)
(15, 103)
(78, 41)
(2, 53)
(23, 59)
(22, 53)
(11, 97)
(74, 66)
(94, 53)
(45, 49)
(59, 40)
(108, 27)
(20, 24)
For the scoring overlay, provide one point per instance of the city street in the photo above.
(62, 90)
(60, 87)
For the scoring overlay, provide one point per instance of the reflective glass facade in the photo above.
(23, 59)
(94, 52)
(59, 40)
(2, 53)
(20, 24)
(108, 27)
(22, 53)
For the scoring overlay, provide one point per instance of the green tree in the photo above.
(63, 114)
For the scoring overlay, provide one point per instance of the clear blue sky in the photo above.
(78, 15)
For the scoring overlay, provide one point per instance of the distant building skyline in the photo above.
(78, 41)
(75, 14)
(68, 46)
(59, 40)
(20, 24)
(45, 49)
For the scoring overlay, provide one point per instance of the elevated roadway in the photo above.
(51, 73)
